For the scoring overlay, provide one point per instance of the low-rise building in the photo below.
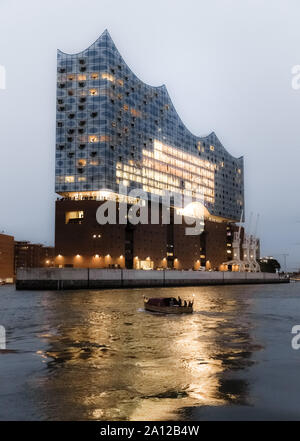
(6, 258)
(31, 255)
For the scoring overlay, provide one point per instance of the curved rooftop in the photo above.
(107, 39)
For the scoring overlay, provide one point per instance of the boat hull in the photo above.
(169, 309)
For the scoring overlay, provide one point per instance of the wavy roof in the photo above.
(211, 137)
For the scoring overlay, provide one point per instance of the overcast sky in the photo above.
(227, 66)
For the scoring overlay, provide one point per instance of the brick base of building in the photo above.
(81, 242)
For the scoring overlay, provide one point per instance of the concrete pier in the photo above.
(88, 278)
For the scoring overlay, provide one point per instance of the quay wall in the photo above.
(90, 278)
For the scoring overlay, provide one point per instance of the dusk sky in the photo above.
(226, 64)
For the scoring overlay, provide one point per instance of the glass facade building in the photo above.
(113, 128)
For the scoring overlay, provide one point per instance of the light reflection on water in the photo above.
(111, 360)
(101, 356)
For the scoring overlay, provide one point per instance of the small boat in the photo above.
(168, 305)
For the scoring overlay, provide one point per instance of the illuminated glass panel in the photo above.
(129, 132)
(168, 168)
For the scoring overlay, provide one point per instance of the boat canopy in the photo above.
(161, 301)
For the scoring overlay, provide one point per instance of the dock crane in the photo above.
(236, 261)
(284, 255)
(253, 249)
(247, 264)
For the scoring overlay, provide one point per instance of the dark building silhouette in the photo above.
(31, 255)
(6, 258)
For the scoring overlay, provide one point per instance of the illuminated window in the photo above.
(93, 92)
(120, 82)
(212, 148)
(94, 162)
(107, 76)
(93, 138)
(98, 138)
(169, 168)
(81, 77)
(104, 138)
(145, 264)
(81, 179)
(135, 112)
(74, 217)
(81, 162)
(69, 179)
(94, 76)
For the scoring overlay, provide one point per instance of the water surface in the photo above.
(97, 355)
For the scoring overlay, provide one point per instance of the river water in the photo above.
(97, 355)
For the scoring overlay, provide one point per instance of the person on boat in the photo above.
(190, 304)
(185, 304)
(179, 302)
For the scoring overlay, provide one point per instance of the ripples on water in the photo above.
(98, 355)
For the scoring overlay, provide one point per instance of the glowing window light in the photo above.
(135, 112)
(93, 138)
(81, 162)
(166, 167)
(94, 162)
(69, 179)
(107, 76)
(93, 92)
(71, 215)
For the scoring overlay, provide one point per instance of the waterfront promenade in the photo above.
(88, 278)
